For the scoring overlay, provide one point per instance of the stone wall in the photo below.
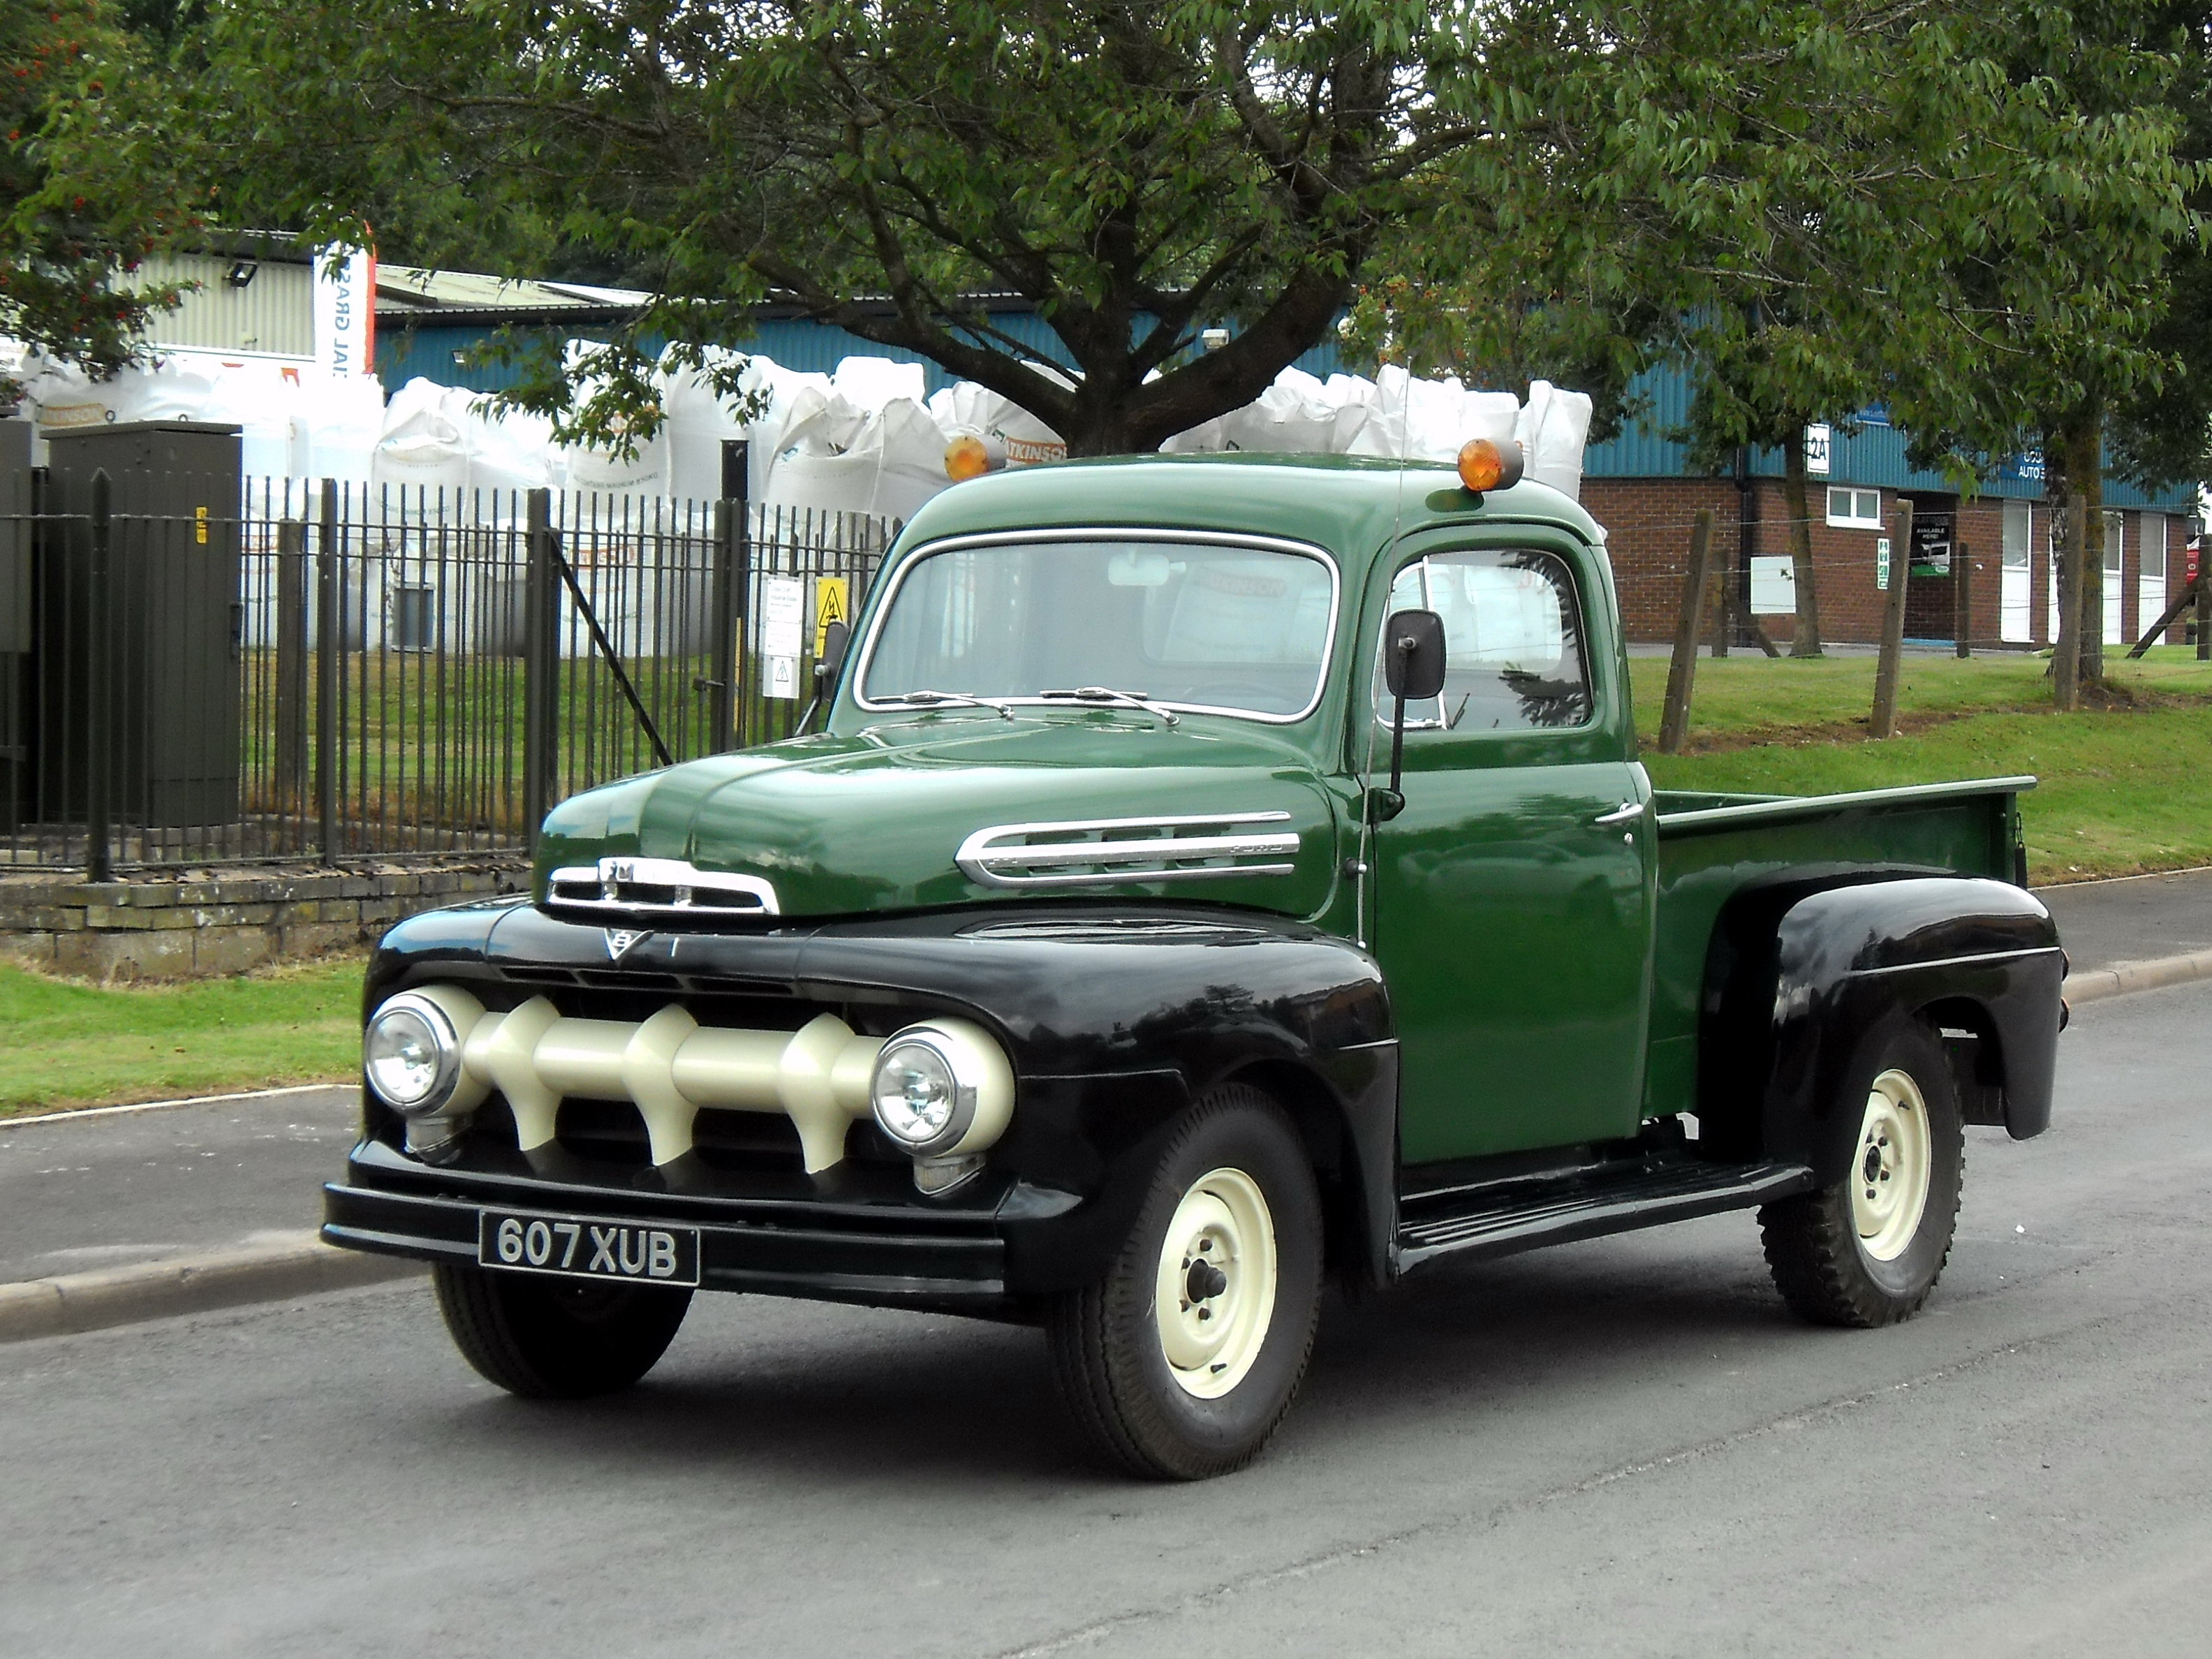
(178, 924)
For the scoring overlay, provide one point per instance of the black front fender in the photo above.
(1116, 1018)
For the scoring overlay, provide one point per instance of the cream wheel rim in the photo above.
(1215, 1291)
(1890, 1174)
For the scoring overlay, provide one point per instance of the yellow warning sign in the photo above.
(833, 603)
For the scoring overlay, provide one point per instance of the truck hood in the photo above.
(877, 821)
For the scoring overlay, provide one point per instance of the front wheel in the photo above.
(1868, 1250)
(1181, 1360)
(555, 1339)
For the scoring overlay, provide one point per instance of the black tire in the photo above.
(554, 1339)
(1108, 1346)
(1823, 1267)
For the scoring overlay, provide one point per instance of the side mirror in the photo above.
(1413, 656)
(1412, 667)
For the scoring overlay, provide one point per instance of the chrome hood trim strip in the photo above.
(1120, 851)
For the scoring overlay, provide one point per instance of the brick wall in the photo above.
(1648, 523)
(208, 922)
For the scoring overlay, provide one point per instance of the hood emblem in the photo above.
(666, 887)
(619, 940)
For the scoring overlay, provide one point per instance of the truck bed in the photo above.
(1712, 845)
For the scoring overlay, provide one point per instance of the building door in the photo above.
(2150, 576)
(2016, 602)
(1512, 897)
(1930, 597)
(2112, 617)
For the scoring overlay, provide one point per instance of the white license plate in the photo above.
(577, 1247)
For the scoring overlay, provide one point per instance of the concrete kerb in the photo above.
(300, 1265)
(2125, 978)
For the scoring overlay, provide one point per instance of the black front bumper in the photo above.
(950, 1260)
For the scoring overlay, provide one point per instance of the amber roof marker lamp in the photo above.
(971, 455)
(1486, 465)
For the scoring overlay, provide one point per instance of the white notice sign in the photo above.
(1819, 442)
(782, 628)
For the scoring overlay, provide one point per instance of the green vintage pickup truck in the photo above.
(1213, 876)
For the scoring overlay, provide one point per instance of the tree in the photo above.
(1810, 207)
(1135, 169)
(65, 254)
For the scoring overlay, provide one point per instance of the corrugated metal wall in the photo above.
(406, 350)
(273, 312)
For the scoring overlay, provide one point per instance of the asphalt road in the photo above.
(1619, 1448)
(115, 1189)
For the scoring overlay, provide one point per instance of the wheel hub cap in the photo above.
(1215, 1292)
(1889, 1192)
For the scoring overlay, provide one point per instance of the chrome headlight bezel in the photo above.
(444, 1041)
(982, 1086)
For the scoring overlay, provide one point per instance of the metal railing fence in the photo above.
(340, 671)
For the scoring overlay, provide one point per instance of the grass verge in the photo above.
(2124, 789)
(73, 1044)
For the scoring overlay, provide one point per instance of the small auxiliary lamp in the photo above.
(1486, 465)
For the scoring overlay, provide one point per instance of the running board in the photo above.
(1589, 1202)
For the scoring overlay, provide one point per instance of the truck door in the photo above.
(1511, 899)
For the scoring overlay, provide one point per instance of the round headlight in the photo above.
(917, 1100)
(411, 1054)
(942, 1088)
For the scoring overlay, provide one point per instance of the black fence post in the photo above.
(541, 664)
(329, 659)
(732, 556)
(291, 664)
(100, 749)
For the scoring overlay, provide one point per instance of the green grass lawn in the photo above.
(74, 1044)
(2124, 789)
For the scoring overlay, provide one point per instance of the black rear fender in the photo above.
(1799, 982)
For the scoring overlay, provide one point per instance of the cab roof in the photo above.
(1349, 504)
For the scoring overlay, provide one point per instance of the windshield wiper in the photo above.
(927, 699)
(1108, 693)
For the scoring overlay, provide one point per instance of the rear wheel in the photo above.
(1181, 1360)
(555, 1339)
(1868, 1250)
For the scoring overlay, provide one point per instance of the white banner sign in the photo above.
(345, 313)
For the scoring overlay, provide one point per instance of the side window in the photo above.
(1513, 642)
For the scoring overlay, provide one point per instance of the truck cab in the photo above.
(1212, 875)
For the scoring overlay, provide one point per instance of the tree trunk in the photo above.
(2085, 468)
(1805, 641)
(2072, 462)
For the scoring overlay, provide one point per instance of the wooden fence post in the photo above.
(1884, 723)
(1682, 671)
(2203, 607)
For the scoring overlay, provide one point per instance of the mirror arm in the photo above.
(1383, 804)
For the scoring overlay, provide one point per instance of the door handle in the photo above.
(1626, 813)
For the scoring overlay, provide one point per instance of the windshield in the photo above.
(1188, 625)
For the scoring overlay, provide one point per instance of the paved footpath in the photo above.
(116, 1190)
(2144, 917)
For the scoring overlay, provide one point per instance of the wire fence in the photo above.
(336, 672)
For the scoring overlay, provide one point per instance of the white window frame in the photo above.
(1854, 500)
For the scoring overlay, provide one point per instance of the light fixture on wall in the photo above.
(241, 274)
